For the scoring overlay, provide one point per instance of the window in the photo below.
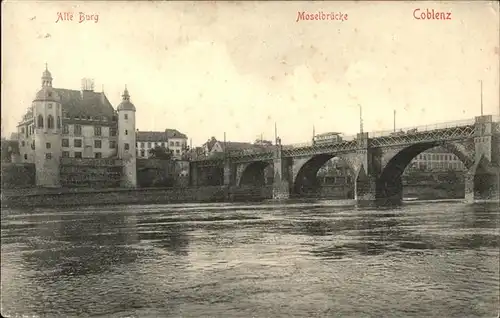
(40, 121)
(25, 157)
(65, 129)
(112, 131)
(149, 145)
(48, 155)
(78, 143)
(171, 144)
(126, 132)
(59, 122)
(163, 144)
(78, 130)
(112, 144)
(22, 143)
(78, 154)
(177, 144)
(142, 145)
(97, 130)
(22, 130)
(47, 145)
(97, 144)
(65, 154)
(50, 106)
(65, 142)
(98, 155)
(142, 152)
(127, 147)
(50, 122)
(125, 116)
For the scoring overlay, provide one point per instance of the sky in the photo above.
(210, 68)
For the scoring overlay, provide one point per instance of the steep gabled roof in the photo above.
(210, 143)
(83, 104)
(159, 135)
(151, 136)
(174, 133)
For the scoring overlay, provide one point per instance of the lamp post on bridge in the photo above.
(394, 121)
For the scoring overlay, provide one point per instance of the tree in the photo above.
(161, 153)
(263, 142)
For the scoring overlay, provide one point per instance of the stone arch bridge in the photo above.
(376, 161)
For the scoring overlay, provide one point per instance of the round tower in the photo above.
(126, 140)
(47, 116)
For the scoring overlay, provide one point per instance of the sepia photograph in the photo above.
(250, 159)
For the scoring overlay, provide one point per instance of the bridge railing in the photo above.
(418, 129)
(310, 143)
(251, 151)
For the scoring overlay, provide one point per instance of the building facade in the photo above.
(436, 159)
(170, 139)
(65, 123)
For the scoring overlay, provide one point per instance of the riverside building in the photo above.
(64, 129)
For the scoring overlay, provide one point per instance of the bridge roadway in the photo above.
(376, 160)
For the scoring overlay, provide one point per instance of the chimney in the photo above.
(87, 86)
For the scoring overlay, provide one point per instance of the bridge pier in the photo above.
(193, 174)
(482, 181)
(366, 181)
(482, 186)
(281, 184)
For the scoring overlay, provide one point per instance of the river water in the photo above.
(259, 260)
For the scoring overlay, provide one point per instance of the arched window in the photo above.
(59, 122)
(40, 121)
(50, 122)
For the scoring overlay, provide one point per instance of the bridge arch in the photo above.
(389, 183)
(305, 176)
(253, 174)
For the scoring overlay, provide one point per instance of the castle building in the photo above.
(64, 124)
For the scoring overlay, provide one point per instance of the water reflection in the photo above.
(65, 245)
(260, 260)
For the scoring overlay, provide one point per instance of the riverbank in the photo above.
(37, 197)
(43, 197)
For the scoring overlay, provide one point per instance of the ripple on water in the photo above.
(263, 260)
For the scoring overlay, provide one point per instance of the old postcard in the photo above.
(250, 159)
